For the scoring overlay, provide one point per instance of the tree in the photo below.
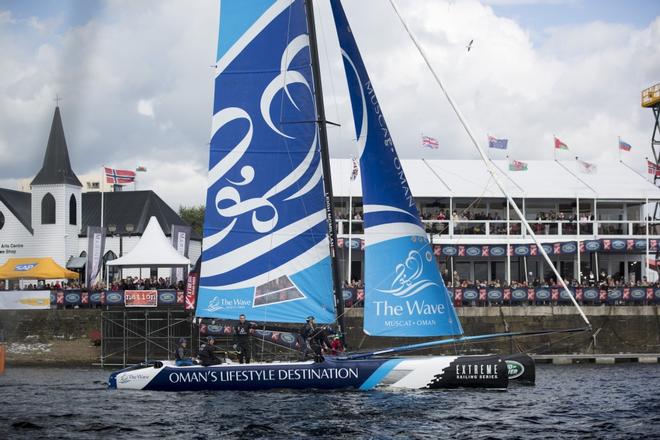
(194, 216)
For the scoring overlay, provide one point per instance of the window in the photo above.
(2, 220)
(73, 210)
(48, 210)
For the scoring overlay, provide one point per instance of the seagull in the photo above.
(469, 46)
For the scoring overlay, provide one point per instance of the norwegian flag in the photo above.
(485, 251)
(119, 177)
(429, 142)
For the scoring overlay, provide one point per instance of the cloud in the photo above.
(136, 86)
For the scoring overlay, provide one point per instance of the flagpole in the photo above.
(101, 187)
(619, 148)
(554, 147)
(646, 215)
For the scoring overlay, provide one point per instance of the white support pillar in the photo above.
(508, 245)
(350, 232)
(646, 221)
(577, 220)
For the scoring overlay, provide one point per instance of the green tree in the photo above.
(194, 216)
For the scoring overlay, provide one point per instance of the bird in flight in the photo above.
(469, 46)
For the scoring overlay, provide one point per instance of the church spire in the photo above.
(56, 168)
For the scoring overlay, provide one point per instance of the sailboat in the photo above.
(269, 239)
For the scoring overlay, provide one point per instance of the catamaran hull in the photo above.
(404, 373)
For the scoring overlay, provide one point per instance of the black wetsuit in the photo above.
(207, 356)
(315, 337)
(242, 338)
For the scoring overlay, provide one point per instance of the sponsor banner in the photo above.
(113, 298)
(95, 298)
(72, 297)
(180, 242)
(542, 294)
(349, 294)
(591, 295)
(470, 294)
(95, 247)
(141, 298)
(519, 294)
(614, 295)
(495, 295)
(564, 297)
(191, 291)
(166, 297)
(25, 299)
(638, 294)
(531, 250)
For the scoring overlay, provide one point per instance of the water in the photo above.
(588, 401)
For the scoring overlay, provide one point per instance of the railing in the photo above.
(516, 228)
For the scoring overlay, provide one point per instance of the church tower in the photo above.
(56, 200)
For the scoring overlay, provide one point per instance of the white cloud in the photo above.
(145, 107)
(582, 84)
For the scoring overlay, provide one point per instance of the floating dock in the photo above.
(604, 359)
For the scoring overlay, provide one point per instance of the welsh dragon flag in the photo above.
(559, 145)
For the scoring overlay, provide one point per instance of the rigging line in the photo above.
(577, 177)
(438, 176)
(508, 178)
(468, 130)
(328, 64)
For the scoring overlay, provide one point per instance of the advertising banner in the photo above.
(180, 242)
(25, 300)
(166, 297)
(191, 291)
(95, 246)
(141, 298)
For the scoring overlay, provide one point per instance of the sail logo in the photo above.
(408, 280)
(216, 304)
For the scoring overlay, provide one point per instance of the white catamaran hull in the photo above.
(364, 374)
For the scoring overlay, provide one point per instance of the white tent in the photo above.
(153, 250)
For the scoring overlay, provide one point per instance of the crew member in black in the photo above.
(314, 339)
(242, 340)
(182, 355)
(206, 355)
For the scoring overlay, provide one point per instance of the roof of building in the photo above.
(543, 179)
(19, 203)
(56, 168)
(128, 208)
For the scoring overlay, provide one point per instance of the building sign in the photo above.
(141, 298)
(11, 248)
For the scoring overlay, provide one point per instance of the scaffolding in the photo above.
(133, 336)
(651, 99)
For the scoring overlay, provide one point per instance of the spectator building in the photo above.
(602, 211)
(51, 219)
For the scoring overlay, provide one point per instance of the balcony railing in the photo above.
(499, 228)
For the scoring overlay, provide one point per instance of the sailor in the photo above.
(207, 355)
(336, 345)
(315, 338)
(182, 355)
(242, 343)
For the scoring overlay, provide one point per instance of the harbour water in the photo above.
(579, 401)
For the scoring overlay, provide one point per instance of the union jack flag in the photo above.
(119, 177)
(429, 142)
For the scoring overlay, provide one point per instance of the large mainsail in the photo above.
(404, 293)
(265, 248)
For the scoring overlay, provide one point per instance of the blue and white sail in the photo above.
(404, 293)
(265, 248)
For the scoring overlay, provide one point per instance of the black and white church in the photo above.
(51, 219)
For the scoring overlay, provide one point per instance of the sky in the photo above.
(135, 81)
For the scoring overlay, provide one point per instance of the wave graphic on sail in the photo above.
(404, 293)
(265, 220)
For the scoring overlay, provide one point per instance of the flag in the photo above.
(516, 165)
(559, 145)
(625, 146)
(141, 168)
(500, 144)
(119, 177)
(653, 168)
(356, 169)
(586, 167)
(429, 142)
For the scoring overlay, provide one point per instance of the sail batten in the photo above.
(265, 248)
(404, 293)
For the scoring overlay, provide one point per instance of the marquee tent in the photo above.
(153, 250)
(34, 269)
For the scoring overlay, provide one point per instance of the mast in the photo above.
(325, 160)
